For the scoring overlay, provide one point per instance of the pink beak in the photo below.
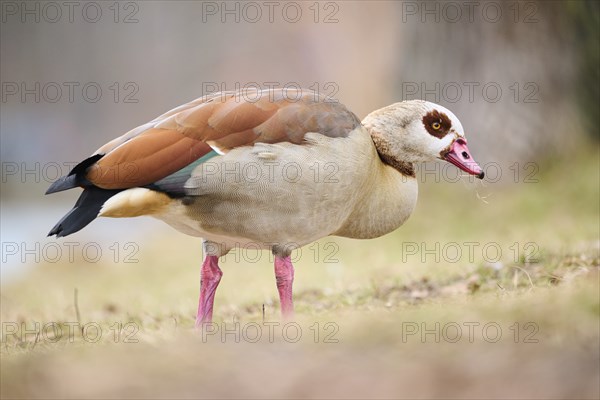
(460, 156)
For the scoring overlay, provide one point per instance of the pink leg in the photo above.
(284, 273)
(210, 276)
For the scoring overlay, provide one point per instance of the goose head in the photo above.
(416, 131)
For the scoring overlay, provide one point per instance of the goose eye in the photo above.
(436, 126)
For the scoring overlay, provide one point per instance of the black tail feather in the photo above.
(86, 209)
(76, 177)
(63, 183)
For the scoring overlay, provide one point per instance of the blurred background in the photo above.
(523, 77)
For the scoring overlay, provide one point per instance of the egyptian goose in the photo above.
(275, 168)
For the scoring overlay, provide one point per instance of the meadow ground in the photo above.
(486, 292)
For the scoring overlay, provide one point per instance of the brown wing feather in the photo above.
(113, 144)
(145, 159)
(221, 122)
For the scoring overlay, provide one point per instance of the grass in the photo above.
(379, 318)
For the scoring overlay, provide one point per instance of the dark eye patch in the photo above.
(442, 119)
